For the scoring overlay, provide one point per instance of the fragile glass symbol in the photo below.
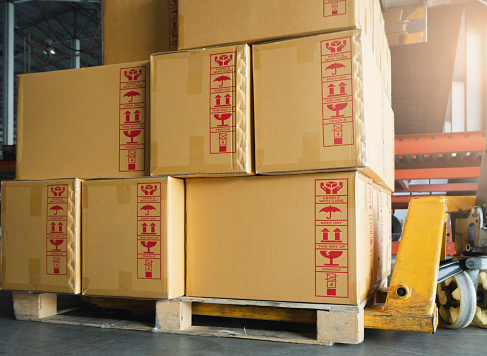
(56, 243)
(132, 135)
(337, 108)
(148, 245)
(331, 256)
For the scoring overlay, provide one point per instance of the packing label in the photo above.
(149, 231)
(132, 119)
(222, 102)
(56, 230)
(337, 92)
(331, 238)
(334, 7)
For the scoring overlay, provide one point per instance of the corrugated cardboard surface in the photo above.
(134, 29)
(320, 104)
(266, 238)
(41, 236)
(201, 113)
(133, 238)
(383, 231)
(205, 23)
(79, 123)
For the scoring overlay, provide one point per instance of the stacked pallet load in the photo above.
(251, 168)
(84, 216)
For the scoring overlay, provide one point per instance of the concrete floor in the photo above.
(32, 338)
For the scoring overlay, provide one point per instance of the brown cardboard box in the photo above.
(133, 237)
(320, 105)
(41, 236)
(382, 231)
(206, 23)
(201, 112)
(298, 238)
(84, 123)
(134, 29)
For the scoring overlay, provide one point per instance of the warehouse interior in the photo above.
(438, 56)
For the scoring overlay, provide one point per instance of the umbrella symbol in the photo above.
(335, 66)
(222, 79)
(330, 209)
(147, 208)
(131, 95)
(56, 208)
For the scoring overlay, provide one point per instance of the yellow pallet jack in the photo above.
(426, 288)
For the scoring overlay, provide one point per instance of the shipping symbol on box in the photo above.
(334, 7)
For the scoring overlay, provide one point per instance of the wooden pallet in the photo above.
(332, 323)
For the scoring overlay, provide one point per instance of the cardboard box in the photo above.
(206, 23)
(134, 29)
(320, 105)
(133, 238)
(297, 238)
(84, 123)
(382, 231)
(201, 112)
(41, 236)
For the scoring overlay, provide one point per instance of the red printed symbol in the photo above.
(148, 245)
(331, 187)
(338, 134)
(222, 79)
(337, 108)
(131, 95)
(326, 232)
(152, 228)
(330, 209)
(56, 243)
(56, 208)
(223, 60)
(132, 158)
(334, 67)
(331, 256)
(132, 134)
(53, 228)
(147, 208)
(136, 114)
(227, 100)
(331, 284)
(331, 89)
(133, 74)
(222, 118)
(148, 189)
(336, 46)
(57, 264)
(58, 191)
(148, 268)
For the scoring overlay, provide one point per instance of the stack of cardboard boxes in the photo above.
(270, 163)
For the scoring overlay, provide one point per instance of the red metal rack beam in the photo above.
(439, 143)
(438, 173)
(448, 187)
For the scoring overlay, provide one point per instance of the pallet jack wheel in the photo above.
(456, 301)
(480, 318)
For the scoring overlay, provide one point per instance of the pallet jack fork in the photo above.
(415, 301)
